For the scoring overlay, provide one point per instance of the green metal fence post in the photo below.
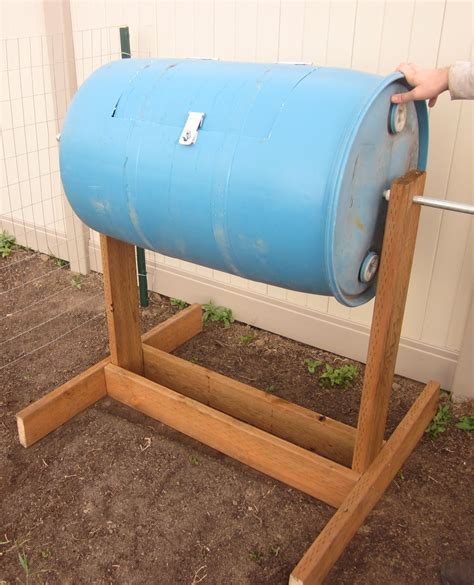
(141, 263)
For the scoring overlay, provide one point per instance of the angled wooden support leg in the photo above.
(392, 287)
(337, 533)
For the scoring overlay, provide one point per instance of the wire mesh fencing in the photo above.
(46, 289)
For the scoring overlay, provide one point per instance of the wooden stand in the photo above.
(345, 467)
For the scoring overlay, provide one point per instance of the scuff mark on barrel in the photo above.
(359, 224)
(101, 206)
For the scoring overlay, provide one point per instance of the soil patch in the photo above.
(115, 497)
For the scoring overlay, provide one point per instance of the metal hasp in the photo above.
(438, 203)
(190, 130)
(283, 179)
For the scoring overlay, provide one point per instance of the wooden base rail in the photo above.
(345, 467)
(308, 472)
(301, 426)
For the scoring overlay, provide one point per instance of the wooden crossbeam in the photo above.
(57, 407)
(328, 546)
(303, 427)
(297, 467)
(176, 330)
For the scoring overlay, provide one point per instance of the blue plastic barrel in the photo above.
(282, 182)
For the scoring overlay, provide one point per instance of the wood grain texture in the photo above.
(121, 303)
(331, 542)
(297, 467)
(51, 411)
(176, 330)
(291, 422)
(392, 287)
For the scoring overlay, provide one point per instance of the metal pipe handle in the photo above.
(439, 203)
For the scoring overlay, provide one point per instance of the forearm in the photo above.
(461, 80)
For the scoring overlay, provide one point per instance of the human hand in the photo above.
(427, 84)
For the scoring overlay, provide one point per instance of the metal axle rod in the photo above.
(438, 203)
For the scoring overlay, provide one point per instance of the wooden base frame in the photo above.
(348, 468)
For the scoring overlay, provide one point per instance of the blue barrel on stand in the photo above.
(272, 172)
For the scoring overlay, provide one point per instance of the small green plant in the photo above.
(215, 313)
(275, 550)
(46, 554)
(270, 389)
(247, 339)
(255, 555)
(179, 304)
(312, 365)
(440, 421)
(23, 560)
(399, 478)
(7, 244)
(76, 281)
(194, 360)
(25, 564)
(193, 460)
(59, 262)
(465, 423)
(341, 377)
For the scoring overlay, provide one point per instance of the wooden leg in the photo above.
(306, 471)
(392, 287)
(331, 542)
(303, 427)
(121, 303)
(51, 411)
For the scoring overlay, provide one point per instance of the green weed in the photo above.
(7, 244)
(440, 421)
(215, 313)
(255, 555)
(59, 262)
(275, 550)
(312, 364)
(179, 304)
(24, 563)
(194, 360)
(76, 281)
(247, 339)
(465, 423)
(341, 377)
(270, 389)
(193, 460)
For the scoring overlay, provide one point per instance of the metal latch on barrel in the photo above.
(190, 130)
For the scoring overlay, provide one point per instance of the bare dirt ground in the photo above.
(115, 497)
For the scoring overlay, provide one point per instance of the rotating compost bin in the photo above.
(271, 172)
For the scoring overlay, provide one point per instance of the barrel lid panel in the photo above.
(374, 158)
